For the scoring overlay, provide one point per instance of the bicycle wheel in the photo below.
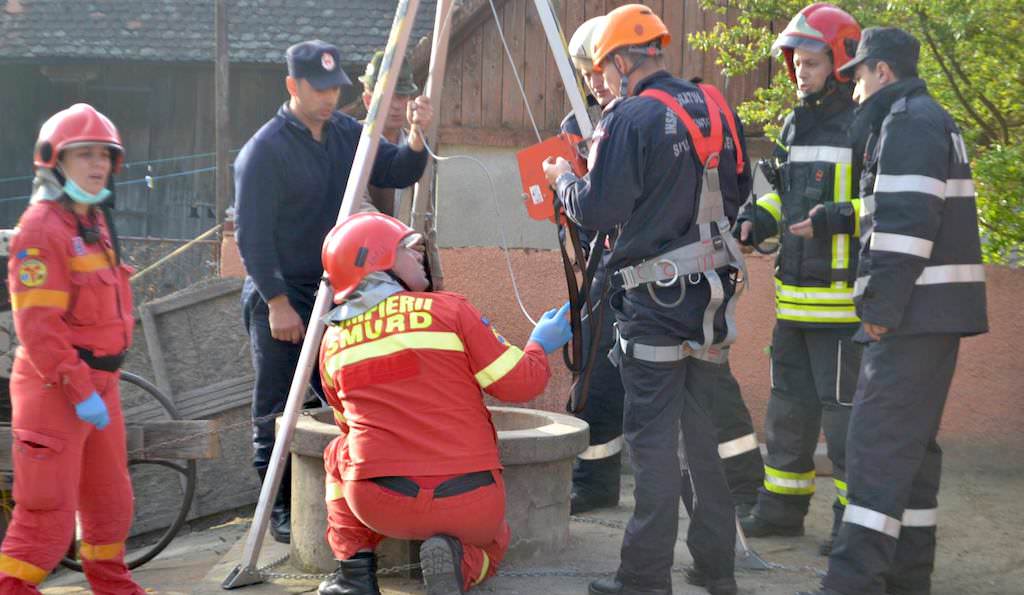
(187, 470)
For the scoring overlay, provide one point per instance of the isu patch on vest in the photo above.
(487, 323)
(32, 272)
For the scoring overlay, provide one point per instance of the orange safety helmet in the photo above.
(626, 26)
(78, 125)
(820, 27)
(363, 243)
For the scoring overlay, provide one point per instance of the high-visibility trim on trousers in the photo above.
(483, 569)
(788, 483)
(920, 517)
(603, 451)
(841, 491)
(333, 490)
(870, 519)
(105, 551)
(737, 446)
(21, 570)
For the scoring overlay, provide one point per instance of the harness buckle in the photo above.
(675, 272)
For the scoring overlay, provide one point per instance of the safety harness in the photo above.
(713, 249)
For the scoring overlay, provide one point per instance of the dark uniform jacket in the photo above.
(920, 268)
(288, 190)
(645, 181)
(817, 166)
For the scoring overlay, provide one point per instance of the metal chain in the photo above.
(266, 573)
(601, 522)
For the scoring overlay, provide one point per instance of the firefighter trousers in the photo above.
(274, 363)
(660, 400)
(737, 443)
(887, 540)
(814, 375)
(63, 465)
(596, 473)
(360, 514)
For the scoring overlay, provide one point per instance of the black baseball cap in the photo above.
(318, 62)
(888, 44)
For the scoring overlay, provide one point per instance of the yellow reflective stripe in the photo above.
(107, 551)
(841, 489)
(15, 568)
(500, 367)
(443, 341)
(807, 313)
(773, 204)
(333, 491)
(797, 294)
(40, 298)
(841, 242)
(340, 417)
(483, 569)
(856, 217)
(788, 483)
(88, 263)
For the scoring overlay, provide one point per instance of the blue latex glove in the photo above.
(553, 329)
(94, 411)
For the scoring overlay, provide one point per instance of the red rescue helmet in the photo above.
(820, 27)
(628, 26)
(76, 126)
(363, 243)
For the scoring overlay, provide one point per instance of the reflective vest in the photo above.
(814, 277)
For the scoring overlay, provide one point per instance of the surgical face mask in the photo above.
(79, 195)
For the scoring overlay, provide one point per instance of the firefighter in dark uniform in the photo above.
(920, 288)
(289, 181)
(814, 361)
(596, 473)
(646, 164)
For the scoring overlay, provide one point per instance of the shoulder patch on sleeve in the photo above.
(27, 252)
(32, 272)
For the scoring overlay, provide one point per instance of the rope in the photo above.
(147, 180)
(176, 252)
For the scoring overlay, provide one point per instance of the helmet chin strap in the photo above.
(400, 281)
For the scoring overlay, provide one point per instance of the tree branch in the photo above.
(990, 133)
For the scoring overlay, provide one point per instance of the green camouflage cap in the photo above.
(406, 84)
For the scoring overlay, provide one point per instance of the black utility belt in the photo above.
(104, 363)
(446, 489)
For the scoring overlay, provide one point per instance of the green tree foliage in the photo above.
(972, 57)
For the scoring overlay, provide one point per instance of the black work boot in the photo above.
(355, 576)
(825, 548)
(614, 586)
(441, 563)
(281, 512)
(596, 484)
(754, 526)
(719, 586)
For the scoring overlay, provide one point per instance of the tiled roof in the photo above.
(183, 31)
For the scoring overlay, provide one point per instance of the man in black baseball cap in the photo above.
(317, 62)
(894, 47)
(920, 288)
(290, 178)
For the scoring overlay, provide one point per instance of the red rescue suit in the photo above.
(404, 379)
(71, 302)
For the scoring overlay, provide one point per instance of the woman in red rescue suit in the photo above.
(73, 315)
(403, 368)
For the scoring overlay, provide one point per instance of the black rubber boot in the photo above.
(754, 526)
(355, 576)
(613, 586)
(720, 586)
(596, 484)
(825, 548)
(281, 513)
(441, 563)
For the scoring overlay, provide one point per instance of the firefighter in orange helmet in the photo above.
(72, 308)
(427, 469)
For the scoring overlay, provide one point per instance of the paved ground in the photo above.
(979, 545)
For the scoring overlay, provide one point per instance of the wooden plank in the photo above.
(492, 56)
(554, 91)
(673, 16)
(537, 55)
(472, 73)
(158, 440)
(451, 110)
(593, 8)
(214, 290)
(155, 351)
(693, 21)
(492, 137)
(512, 110)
